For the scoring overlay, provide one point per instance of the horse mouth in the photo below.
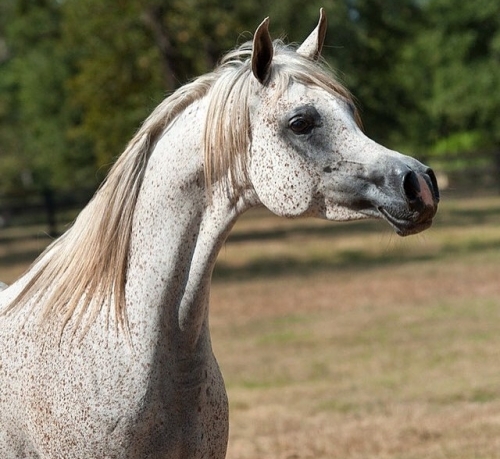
(406, 226)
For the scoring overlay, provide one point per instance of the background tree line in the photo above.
(78, 77)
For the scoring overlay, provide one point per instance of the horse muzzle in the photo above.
(420, 192)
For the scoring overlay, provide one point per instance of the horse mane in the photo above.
(85, 269)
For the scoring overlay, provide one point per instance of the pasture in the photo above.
(341, 340)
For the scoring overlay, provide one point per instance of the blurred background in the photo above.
(78, 77)
(335, 340)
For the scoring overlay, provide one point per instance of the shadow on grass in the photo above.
(19, 234)
(21, 257)
(268, 267)
(19, 249)
(451, 216)
(470, 216)
(446, 217)
(333, 229)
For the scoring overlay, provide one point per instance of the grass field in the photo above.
(345, 341)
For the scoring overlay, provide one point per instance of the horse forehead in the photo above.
(300, 91)
(297, 94)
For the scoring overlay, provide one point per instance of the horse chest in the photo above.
(118, 405)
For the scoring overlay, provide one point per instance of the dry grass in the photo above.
(345, 341)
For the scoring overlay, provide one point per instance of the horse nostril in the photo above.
(411, 186)
(434, 183)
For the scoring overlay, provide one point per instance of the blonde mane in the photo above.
(85, 270)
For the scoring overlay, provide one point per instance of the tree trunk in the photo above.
(153, 18)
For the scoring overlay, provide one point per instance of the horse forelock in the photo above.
(86, 268)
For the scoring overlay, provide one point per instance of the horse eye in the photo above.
(301, 124)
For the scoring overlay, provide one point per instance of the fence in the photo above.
(49, 207)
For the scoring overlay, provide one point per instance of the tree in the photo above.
(77, 78)
(36, 149)
(455, 68)
(380, 30)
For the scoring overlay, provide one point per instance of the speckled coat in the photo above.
(153, 389)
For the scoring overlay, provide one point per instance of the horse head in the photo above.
(308, 153)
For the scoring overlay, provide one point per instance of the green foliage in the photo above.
(455, 60)
(35, 117)
(115, 79)
(77, 78)
(380, 31)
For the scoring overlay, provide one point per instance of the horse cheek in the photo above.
(283, 184)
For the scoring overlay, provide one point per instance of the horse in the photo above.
(105, 347)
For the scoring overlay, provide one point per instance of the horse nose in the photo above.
(434, 183)
(411, 187)
(420, 190)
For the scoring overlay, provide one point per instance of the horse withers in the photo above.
(105, 347)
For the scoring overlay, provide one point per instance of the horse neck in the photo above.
(175, 238)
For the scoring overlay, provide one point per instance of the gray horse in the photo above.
(105, 346)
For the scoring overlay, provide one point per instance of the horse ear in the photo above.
(262, 53)
(313, 44)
